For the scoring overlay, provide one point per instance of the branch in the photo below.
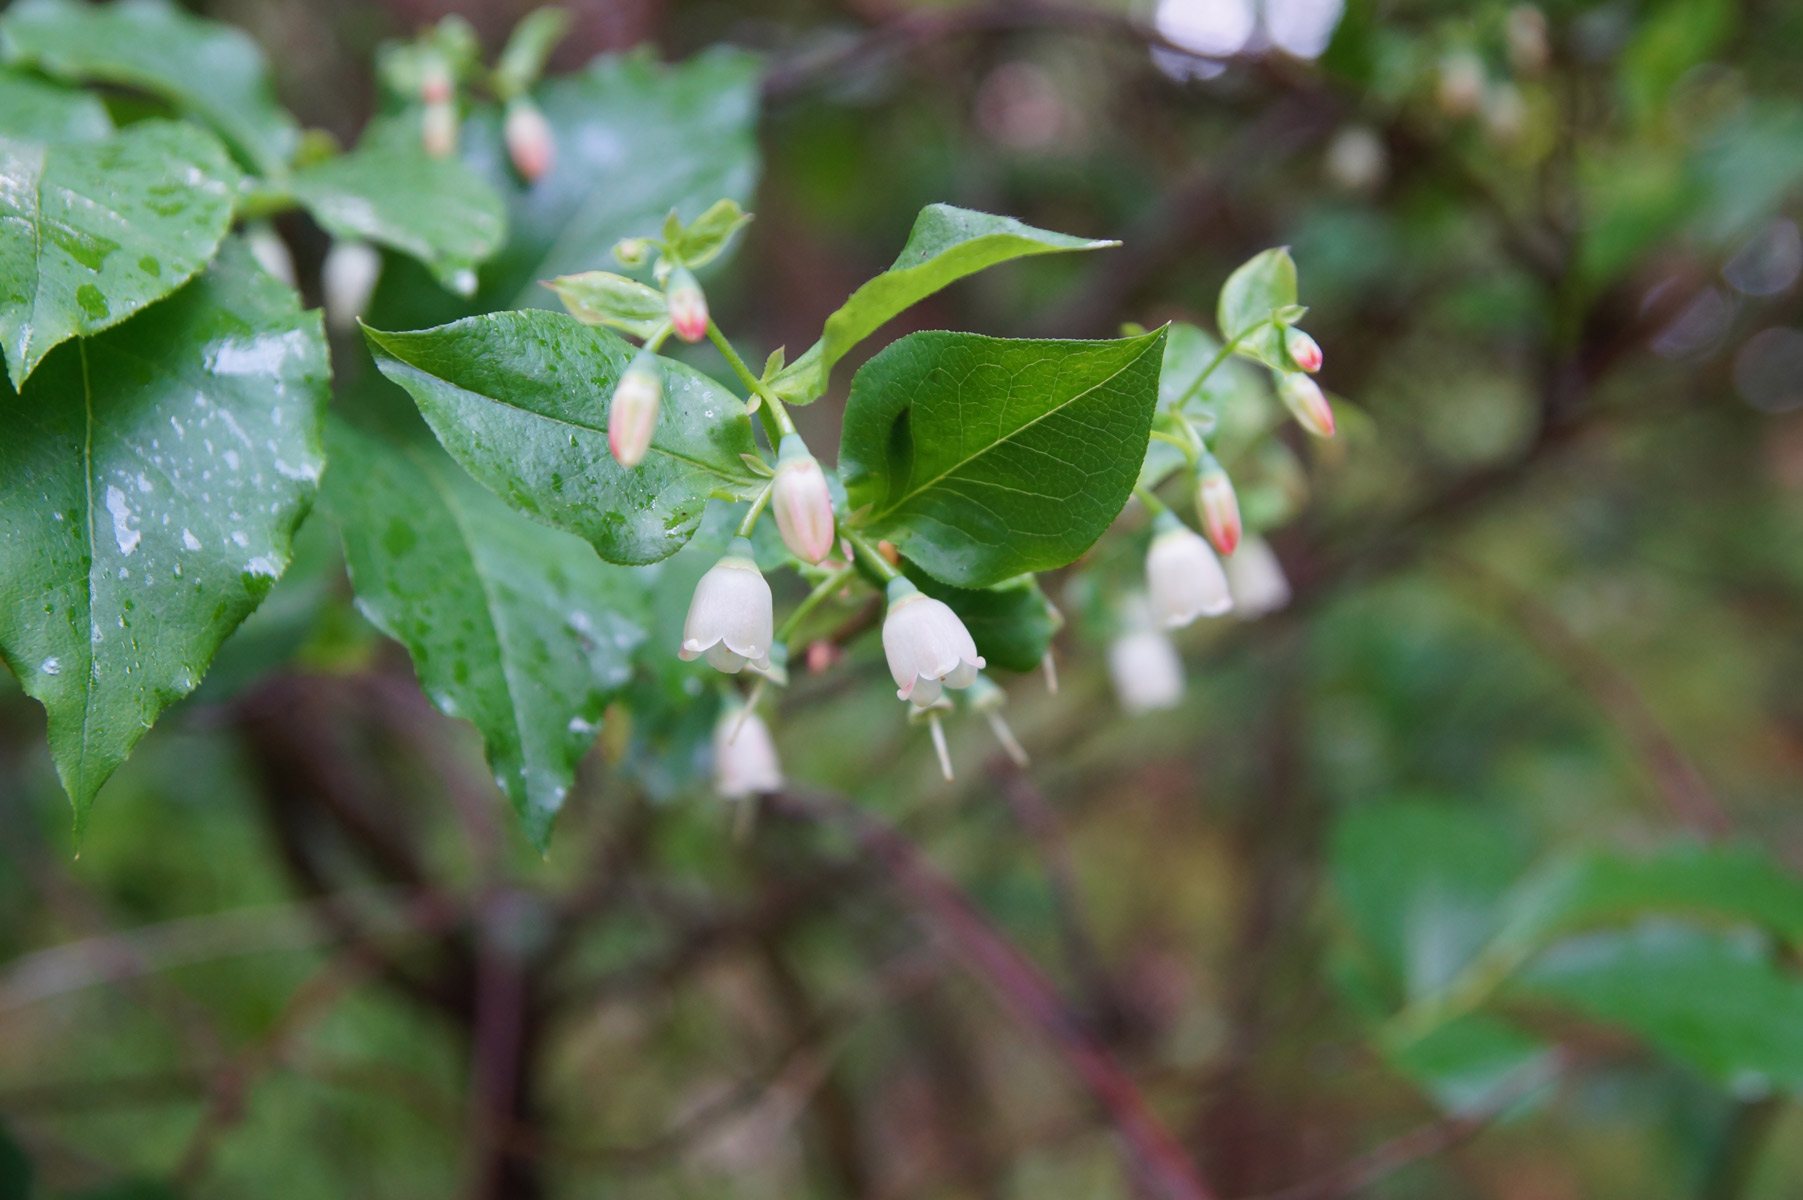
(1157, 1160)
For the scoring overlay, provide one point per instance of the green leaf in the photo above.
(521, 399)
(1251, 297)
(533, 39)
(435, 210)
(635, 139)
(1466, 1062)
(706, 236)
(603, 298)
(1012, 623)
(36, 111)
(515, 627)
(1714, 1001)
(150, 485)
(945, 245)
(92, 232)
(984, 458)
(211, 70)
(1422, 886)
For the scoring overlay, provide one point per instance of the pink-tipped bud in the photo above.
(804, 506)
(1219, 507)
(687, 305)
(632, 417)
(1306, 402)
(1303, 350)
(435, 82)
(529, 140)
(438, 129)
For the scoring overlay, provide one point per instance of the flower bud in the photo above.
(1461, 85)
(927, 646)
(1306, 402)
(1525, 30)
(347, 279)
(1184, 576)
(631, 252)
(687, 305)
(731, 618)
(745, 762)
(270, 251)
(529, 140)
(1303, 350)
(435, 81)
(1145, 670)
(438, 129)
(632, 414)
(1218, 507)
(804, 506)
(1256, 579)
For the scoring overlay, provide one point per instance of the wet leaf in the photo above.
(92, 232)
(984, 458)
(435, 210)
(36, 111)
(513, 626)
(210, 70)
(945, 245)
(150, 485)
(521, 400)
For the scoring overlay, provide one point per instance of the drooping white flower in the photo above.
(1307, 403)
(1146, 672)
(632, 413)
(802, 501)
(928, 647)
(530, 142)
(1183, 576)
(1257, 580)
(347, 279)
(731, 618)
(687, 305)
(1219, 506)
(745, 761)
(270, 251)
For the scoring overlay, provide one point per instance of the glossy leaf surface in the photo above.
(983, 458)
(513, 626)
(435, 210)
(210, 70)
(91, 232)
(945, 245)
(150, 486)
(521, 400)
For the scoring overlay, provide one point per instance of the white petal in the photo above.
(1185, 579)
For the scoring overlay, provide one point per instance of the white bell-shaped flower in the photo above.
(745, 762)
(270, 251)
(802, 501)
(347, 279)
(731, 619)
(928, 647)
(1257, 579)
(1146, 671)
(1184, 576)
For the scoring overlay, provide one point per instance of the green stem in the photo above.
(1153, 504)
(655, 342)
(1220, 357)
(757, 510)
(872, 556)
(261, 200)
(778, 413)
(811, 601)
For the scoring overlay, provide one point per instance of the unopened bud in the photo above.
(529, 140)
(687, 305)
(631, 252)
(1461, 86)
(435, 82)
(347, 279)
(1303, 350)
(1529, 50)
(1306, 402)
(632, 416)
(438, 129)
(804, 506)
(1219, 507)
